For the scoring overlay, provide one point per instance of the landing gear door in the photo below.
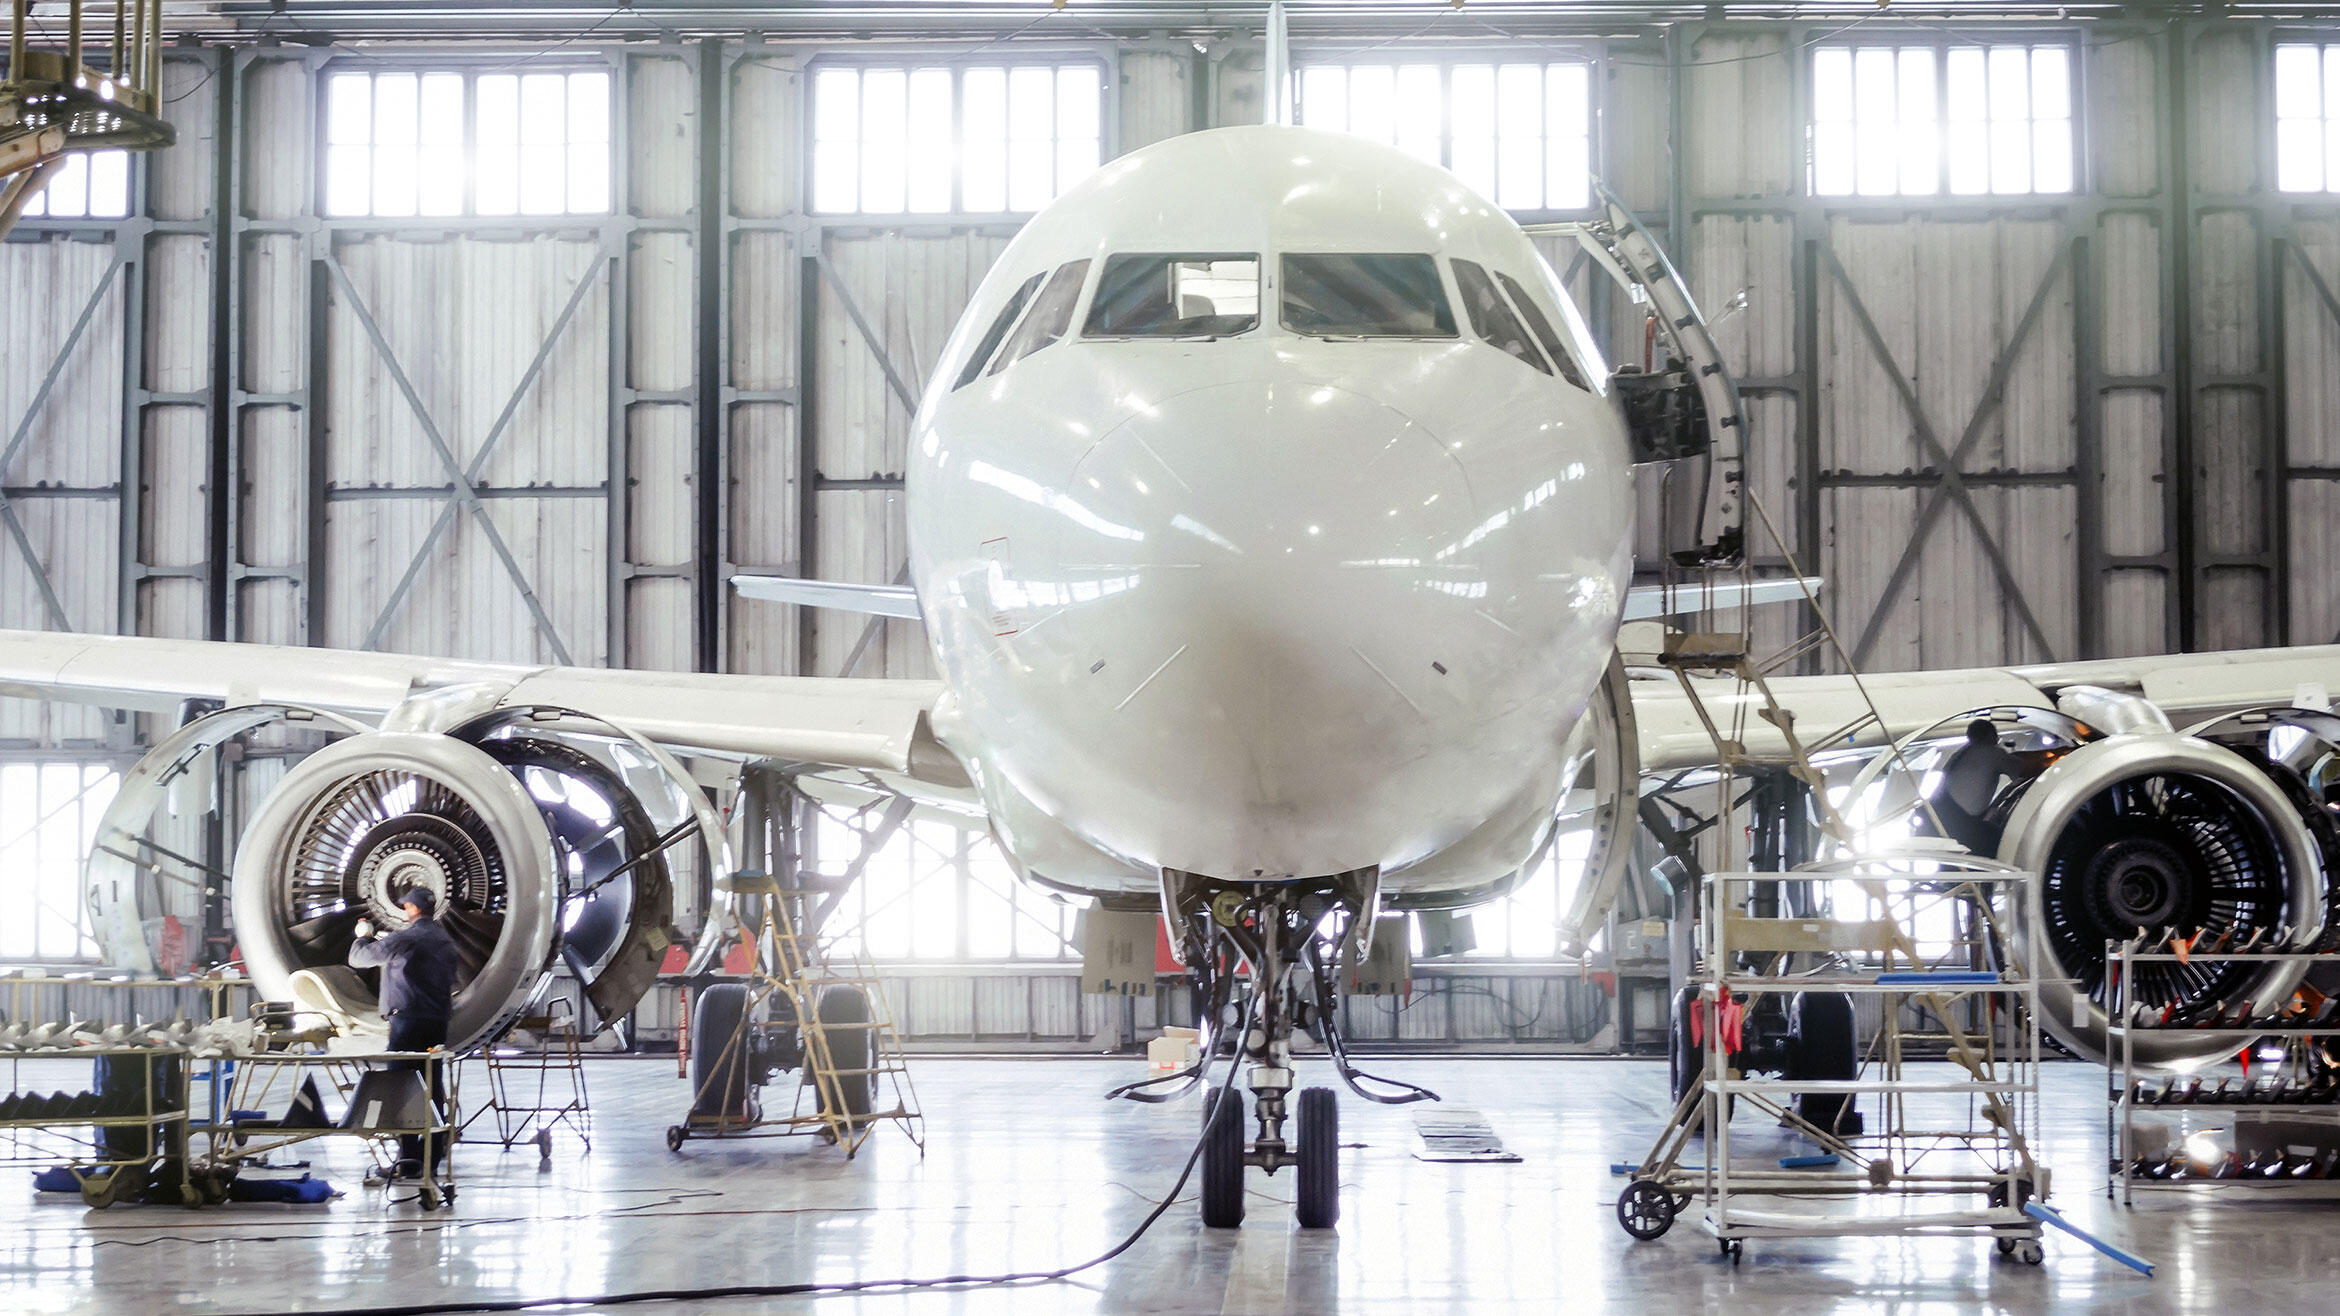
(1688, 405)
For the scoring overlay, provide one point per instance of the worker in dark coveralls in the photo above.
(1970, 781)
(418, 993)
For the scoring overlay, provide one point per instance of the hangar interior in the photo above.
(513, 332)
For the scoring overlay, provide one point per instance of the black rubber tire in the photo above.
(1646, 1209)
(1319, 1136)
(720, 1049)
(849, 1048)
(1222, 1159)
(1821, 1024)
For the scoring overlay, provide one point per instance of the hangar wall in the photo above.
(487, 437)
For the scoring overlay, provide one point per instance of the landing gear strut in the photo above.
(1264, 957)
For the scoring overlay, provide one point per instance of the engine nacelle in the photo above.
(2155, 831)
(356, 824)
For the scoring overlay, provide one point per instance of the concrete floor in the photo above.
(1026, 1168)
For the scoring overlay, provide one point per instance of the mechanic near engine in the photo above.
(418, 994)
(1970, 781)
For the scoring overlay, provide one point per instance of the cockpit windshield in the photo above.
(1344, 295)
(1175, 296)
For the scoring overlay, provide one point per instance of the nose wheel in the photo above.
(1315, 1152)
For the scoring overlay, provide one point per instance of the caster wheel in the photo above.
(191, 1196)
(675, 1133)
(450, 1194)
(2031, 1253)
(1646, 1210)
(430, 1197)
(1734, 1249)
(100, 1191)
(543, 1141)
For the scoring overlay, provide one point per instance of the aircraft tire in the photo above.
(1222, 1159)
(1319, 1206)
(719, 1052)
(1825, 1048)
(846, 1009)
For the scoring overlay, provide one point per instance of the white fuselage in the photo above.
(1256, 603)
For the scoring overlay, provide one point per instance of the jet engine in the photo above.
(2155, 832)
(545, 835)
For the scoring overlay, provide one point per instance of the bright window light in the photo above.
(1520, 134)
(2307, 118)
(939, 140)
(428, 143)
(89, 185)
(1925, 120)
(935, 892)
(48, 816)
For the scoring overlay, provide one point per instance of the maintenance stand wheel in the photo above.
(1734, 1249)
(543, 1141)
(1999, 1198)
(2031, 1253)
(1222, 1159)
(1647, 1210)
(99, 1191)
(1319, 1206)
(429, 1196)
(675, 1133)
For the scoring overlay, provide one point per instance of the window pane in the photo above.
(1373, 102)
(1920, 154)
(2010, 157)
(1324, 101)
(2051, 156)
(2010, 82)
(589, 107)
(349, 108)
(394, 180)
(1175, 296)
(1832, 97)
(928, 158)
(349, 180)
(884, 144)
(442, 113)
(1970, 159)
(1471, 88)
(1050, 318)
(1832, 159)
(1490, 318)
(1969, 91)
(109, 184)
(396, 109)
(588, 177)
(1519, 98)
(544, 109)
(2051, 83)
(1421, 116)
(983, 130)
(499, 109)
(1366, 296)
(2299, 155)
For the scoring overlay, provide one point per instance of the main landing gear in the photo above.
(1264, 959)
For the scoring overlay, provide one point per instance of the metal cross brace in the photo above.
(463, 491)
(1951, 464)
(24, 426)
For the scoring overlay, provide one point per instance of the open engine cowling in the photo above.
(361, 821)
(2153, 830)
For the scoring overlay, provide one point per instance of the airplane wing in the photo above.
(1831, 714)
(872, 725)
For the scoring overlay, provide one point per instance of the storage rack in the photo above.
(262, 1080)
(2121, 1109)
(1990, 1158)
(80, 1143)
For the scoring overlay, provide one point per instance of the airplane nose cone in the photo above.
(1277, 483)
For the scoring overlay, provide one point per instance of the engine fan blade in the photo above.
(475, 933)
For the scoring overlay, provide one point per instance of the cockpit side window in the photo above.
(989, 343)
(1051, 315)
(1175, 295)
(1491, 318)
(1340, 295)
(1542, 325)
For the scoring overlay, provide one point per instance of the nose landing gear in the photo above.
(1264, 958)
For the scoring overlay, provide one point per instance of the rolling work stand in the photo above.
(1902, 1159)
(532, 1092)
(797, 1008)
(383, 1106)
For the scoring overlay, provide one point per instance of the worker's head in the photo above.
(419, 903)
(1981, 732)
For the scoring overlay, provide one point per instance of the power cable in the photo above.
(1129, 1241)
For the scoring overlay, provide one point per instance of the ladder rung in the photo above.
(841, 1073)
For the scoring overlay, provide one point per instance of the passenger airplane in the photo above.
(1271, 524)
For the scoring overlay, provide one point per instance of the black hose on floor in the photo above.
(839, 1286)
